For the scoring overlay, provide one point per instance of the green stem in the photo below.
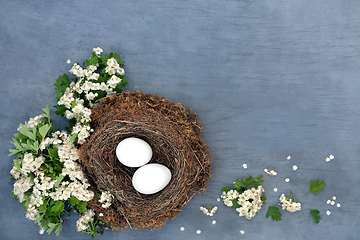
(306, 194)
(292, 196)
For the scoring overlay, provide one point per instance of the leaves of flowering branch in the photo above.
(246, 183)
(315, 214)
(57, 208)
(274, 213)
(43, 130)
(316, 186)
(225, 189)
(82, 206)
(74, 200)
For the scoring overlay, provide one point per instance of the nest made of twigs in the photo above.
(173, 132)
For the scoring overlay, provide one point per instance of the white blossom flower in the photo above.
(334, 197)
(287, 179)
(97, 51)
(245, 166)
(242, 231)
(295, 167)
(332, 203)
(213, 222)
(288, 158)
(327, 159)
(198, 231)
(328, 212)
(182, 229)
(331, 157)
(328, 201)
(338, 205)
(68, 61)
(275, 189)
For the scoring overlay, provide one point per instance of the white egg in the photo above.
(133, 152)
(151, 178)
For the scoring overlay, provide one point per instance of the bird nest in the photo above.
(173, 132)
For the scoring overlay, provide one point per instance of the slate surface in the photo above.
(268, 79)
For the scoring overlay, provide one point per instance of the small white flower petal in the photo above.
(338, 205)
(245, 166)
(213, 222)
(182, 229)
(275, 189)
(328, 201)
(218, 199)
(295, 167)
(68, 61)
(331, 157)
(332, 202)
(198, 231)
(327, 159)
(328, 212)
(334, 197)
(287, 179)
(242, 231)
(288, 158)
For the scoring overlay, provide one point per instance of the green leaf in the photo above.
(61, 83)
(58, 207)
(274, 213)
(104, 58)
(51, 227)
(58, 229)
(53, 152)
(316, 186)
(74, 200)
(82, 206)
(23, 128)
(235, 203)
(239, 184)
(46, 113)
(39, 218)
(61, 109)
(58, 180)
(17, 163)
(315, 214)
(35, 146)
(45, 222)
(263, 199)
(17, 145)
(94, 60)
(44, 130)
(31, 135)
(13, 151)
(116, 56)
(225, 189)
(43, 206)
(73, 138)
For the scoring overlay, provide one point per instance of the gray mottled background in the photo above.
(267, 78)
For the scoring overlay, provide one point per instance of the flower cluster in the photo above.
(46, 174)
(270, 172)
(105, 199)
(248, 202)
(289, 203)
(102, 76)
(209, 212)
(246, 198)
(82, 223)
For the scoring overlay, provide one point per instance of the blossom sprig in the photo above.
(210, 211)
(49, 180)
(100, 75)
(246, 198)
(289, 203)
(270, 172)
